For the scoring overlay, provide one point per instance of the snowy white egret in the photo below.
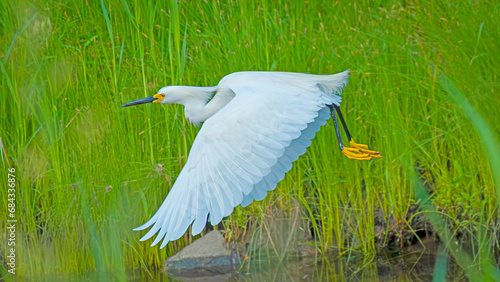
(255, 125)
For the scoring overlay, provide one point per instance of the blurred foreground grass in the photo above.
(89, 171)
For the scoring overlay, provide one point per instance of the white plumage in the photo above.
(254, 128)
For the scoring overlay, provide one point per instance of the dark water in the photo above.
(410, 266)
(390, 266)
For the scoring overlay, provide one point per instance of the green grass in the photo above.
(88, 171)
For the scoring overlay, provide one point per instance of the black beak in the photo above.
(149, 99)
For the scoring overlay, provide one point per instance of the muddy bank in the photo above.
(286, 238)
(291, 233)
(415, 263)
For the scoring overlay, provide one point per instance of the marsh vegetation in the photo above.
(89, 171)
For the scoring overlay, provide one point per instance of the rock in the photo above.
(207, 256)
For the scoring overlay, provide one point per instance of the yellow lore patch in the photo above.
(159, 98)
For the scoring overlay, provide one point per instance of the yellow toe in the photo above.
(359, 152)
(356, 155)
(359, 146)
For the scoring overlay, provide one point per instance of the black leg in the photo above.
(337, 130)
(353, 151)
(347, 133)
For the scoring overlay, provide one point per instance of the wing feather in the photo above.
(277, 174)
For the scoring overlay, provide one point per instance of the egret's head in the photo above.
(176, 94)
(157, 98)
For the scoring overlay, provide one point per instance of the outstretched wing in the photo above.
(240, 153)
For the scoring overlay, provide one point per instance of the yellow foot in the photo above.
(359, 152)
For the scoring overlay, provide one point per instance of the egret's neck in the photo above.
(197, 106)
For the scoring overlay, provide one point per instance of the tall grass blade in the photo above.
(462, 258)
(441, 265)
(490, 145)
(488, 138)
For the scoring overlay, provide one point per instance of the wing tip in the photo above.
(142, 227)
